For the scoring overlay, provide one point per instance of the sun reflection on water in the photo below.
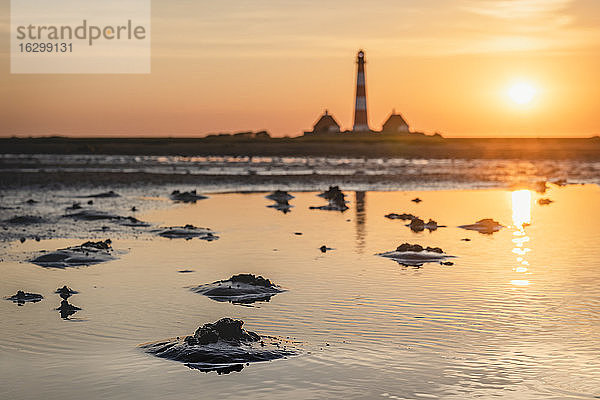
(521, 214)
(521, 208)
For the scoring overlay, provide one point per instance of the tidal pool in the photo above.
(517, 316)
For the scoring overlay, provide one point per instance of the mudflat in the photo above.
(371, 146)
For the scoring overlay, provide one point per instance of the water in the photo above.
(516, 317)
(228, 173)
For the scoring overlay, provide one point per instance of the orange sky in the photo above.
(276, 65)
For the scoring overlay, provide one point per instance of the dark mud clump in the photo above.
(24, 220)
(66, 309)
(486, 226)
(186, 197)
(131, 221)
(279, 196)
(415, 254)
(251, 279)
(417, 248)
(65, 292)
(88, 253)
(74, 206)
(325, 249)
(188, 232)
(416, 200)
(91, 215)
(108, 194)
(336, 198)
(23, 297)
(223, 346)
(403, 217)
(544, 201)
(240, 289)
(31, 201)
(331, 192)
(418, 225)
(94, 215)
(225, 329)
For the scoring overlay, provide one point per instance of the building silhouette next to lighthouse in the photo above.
(327, 125)
(361, 121)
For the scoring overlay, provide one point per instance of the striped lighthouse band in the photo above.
(361, 103)
(360, 81)
(360, 109)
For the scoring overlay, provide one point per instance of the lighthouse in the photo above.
(327, 125)
(361, 123)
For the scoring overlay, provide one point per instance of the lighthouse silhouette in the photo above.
(361, 123)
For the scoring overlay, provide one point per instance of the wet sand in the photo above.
(76, 173)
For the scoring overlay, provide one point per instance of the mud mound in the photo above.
(186, 197)
(65, 292)
(88, 253)
(279, 196)
(331, 192)
(188, 232)
(108, 194)
(24, 220)
(223, 346)
(418, 225)
(240, 289)
(23, 297)
(337, 200)
(94, 215)
(415, 255)
(486, 226)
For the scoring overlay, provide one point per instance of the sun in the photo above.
(522, 93)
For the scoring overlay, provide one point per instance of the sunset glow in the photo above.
(228, 66)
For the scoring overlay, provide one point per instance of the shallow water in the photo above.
(229, 173)
(517, 316)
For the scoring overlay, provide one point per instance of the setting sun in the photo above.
(522, 93)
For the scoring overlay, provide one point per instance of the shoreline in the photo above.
(584, 149)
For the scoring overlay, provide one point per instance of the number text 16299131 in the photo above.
(46, 47)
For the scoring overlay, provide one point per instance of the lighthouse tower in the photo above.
(361, 123)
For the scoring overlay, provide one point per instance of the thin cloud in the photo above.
(527, 25)
(517, 9)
